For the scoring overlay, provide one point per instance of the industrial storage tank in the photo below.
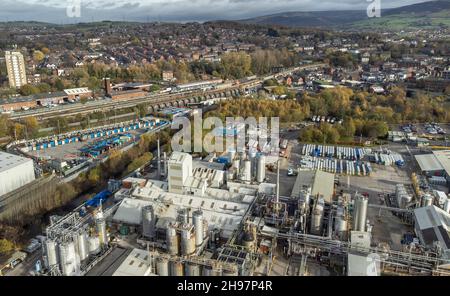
(197, 218)
(261, 169)
(183, 216)
(246, 174)
(172, 240)
(94, 245)
(52, 256)
(83, 248)
(101, 231)
(148, 222)
(406, 199)
(176, 268)
(187, 239)
(316, 220)
(360, 213)
(236, 164)
(427, 200)
(162, 267)
(70, 264)
(193, 269)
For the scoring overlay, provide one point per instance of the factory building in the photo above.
(321, 183)
(436, 164)
(190, 186)
(15, 172)
(432, 227)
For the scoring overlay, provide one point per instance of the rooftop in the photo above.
(428, 162)
(434, 223)
(8, 161)
(321, 183)
(443, 157)
(136, 264)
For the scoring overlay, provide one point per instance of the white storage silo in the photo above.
(148, 222)
(197, 218)
(261, 169)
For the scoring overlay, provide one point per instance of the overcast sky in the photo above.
(172, 10)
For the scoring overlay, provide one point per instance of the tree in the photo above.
(38, 56)
(28, 89)
(236, 65)
(6, 246)
(32, 126)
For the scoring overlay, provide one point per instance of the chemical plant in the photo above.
(213, 217)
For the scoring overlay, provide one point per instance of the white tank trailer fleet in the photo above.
(66, 251)
(346, 160)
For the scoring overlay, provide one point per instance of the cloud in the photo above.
(172, 10)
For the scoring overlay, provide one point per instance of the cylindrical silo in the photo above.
(52, 256)
(261, 169)
(246, 174)
(172, 240)
(94, 245)
(427, 200)
(101, 231)
(176, 268)
(70, 264)
(162, 267)
(83, 248)
(316, 220)
(148, 222)
(187, 240)
(192, 269)
(360, 213)
(197, 218)
(183, 216)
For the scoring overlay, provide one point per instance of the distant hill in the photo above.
(427, 14)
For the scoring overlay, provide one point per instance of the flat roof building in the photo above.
(15, 172)
(321, 183)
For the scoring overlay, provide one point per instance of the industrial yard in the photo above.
(234, 215)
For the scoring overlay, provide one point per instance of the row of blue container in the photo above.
(95, 134)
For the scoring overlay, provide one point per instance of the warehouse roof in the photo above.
(321, 183)
(443, 157)
(428, 162)
(136, 264)
(434, 223)
(8, 161)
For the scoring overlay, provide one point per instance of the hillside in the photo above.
(428, 14)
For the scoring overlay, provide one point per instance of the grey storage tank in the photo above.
(360, 213)
(148, 222)
(197, 218)
(176, 268)
(172, 240)
(261, 169)
(192, 269)
(162, 266)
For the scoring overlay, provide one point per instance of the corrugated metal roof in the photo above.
(443, 157)
(428, 162)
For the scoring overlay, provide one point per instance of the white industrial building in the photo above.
(15, 172)
(435, 164)
(192, 186)
(321, 183)
(432, 226)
